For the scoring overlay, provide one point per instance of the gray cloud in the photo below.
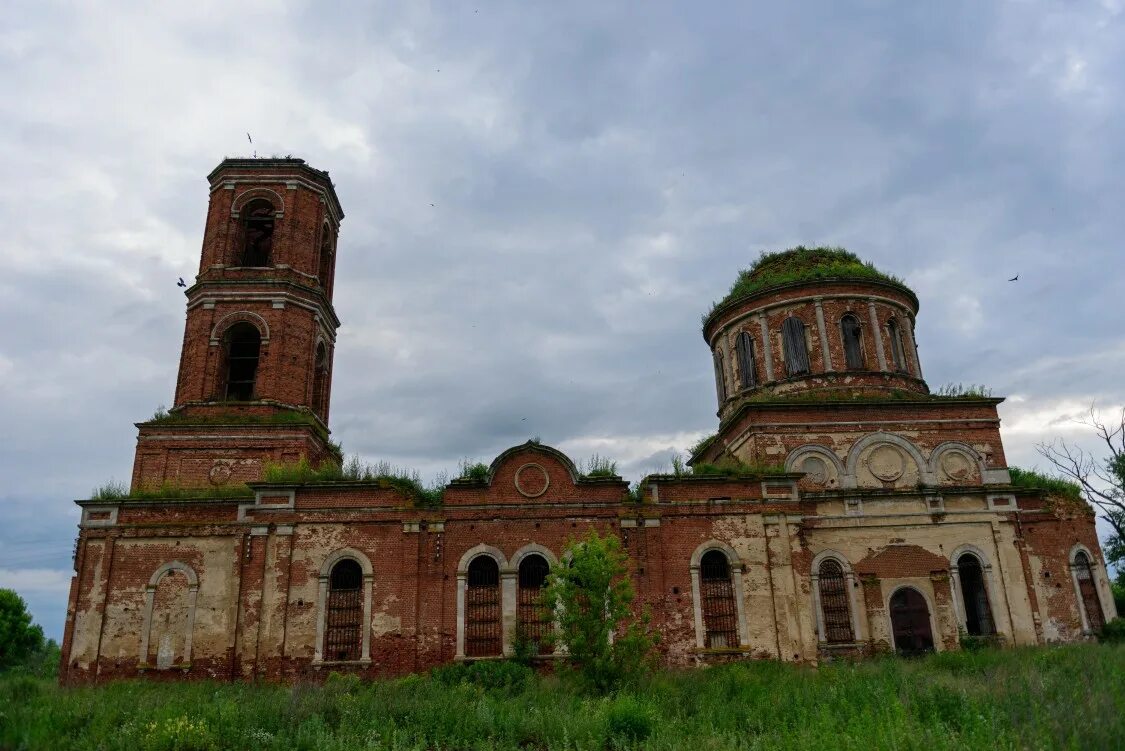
(599, 175)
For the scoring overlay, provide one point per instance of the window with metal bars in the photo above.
(834, 603)
(533, 617)
(795, 346)
(343, 633)
(720, 616)
(257, 233)
(853, 342)
(1089, 592)
(482, 608)
(978, 614)
(241, 348)
(744, 349)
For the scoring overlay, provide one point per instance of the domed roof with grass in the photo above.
(801, 264)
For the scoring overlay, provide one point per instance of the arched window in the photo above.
(241, 348)
(897, 352)
(744, 349)
(324, 267)
(533, 618)
(910, 622)
(720, 378)
(834, 603)
(320, 380)
(257, 233)
(853, 342)
(1088, 591)
(482, 608)
(720, 617)
(794, 346)
(343, 633)
(974, 594)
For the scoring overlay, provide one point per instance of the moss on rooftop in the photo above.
(800, 264)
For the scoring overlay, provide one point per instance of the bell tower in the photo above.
(255, 375)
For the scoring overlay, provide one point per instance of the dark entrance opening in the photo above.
(978, 615)
(720, 617)
(533, 617)
(343, 637)
(910, 622)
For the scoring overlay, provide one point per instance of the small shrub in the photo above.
(960, 390)
(488, 674)
(600, 466)
(1113, 632)
(971, 643)
(627, 719)
(179, 734)
(110, 491)
(470, 470)
(698, 447)
(677, 464)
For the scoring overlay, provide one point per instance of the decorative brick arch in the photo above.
(1107, 613)
(874, 439)
(246, 197)
(150, 601)
(735, 563)
(240, 316)
(322, 601)
(529, 549)
(850, 581)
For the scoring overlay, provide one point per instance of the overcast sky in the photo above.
(598, 176)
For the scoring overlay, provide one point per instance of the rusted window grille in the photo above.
(482, 608)
(796, 349)
(834, 603)
(720, 618)
(533, 617)
(853, 342)
(257, 232)
(343, 637)
(1090, 601)
(242, 344)
(744, 348)
(978, 614)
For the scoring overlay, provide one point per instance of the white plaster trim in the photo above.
(935, 457)
(766, 346)
(997, 477)
(1001, 502)
(849, 583)
(797, 455)
(877, 333)
(529, 549)
(506, 597)
(150, 601)
(87, 522)
(825, 353)
(246, 196)
(935, 635)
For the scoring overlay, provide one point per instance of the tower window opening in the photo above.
(796, 349)
(324, 266)
(320, 380)
(242, 346)
(744, 348)
(853, 342)
(720, 378)
(343, 636)
(897, 352)
(720, 616)
(257, 234)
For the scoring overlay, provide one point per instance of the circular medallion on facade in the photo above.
(956, 465)
(219, 474)
(815, 469)
(885, 462)
(532, 480)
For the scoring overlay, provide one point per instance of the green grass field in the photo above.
(1069, 697)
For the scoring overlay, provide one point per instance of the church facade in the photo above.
(840, 509)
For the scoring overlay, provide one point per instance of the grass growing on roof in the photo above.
(406, 481)
(1057, 486)
(800, 264)
(1044, 697)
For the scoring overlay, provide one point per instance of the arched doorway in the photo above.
(910, 622)
(482, 608)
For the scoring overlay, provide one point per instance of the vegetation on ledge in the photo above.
(406, 481)
(1055, 486)
(280, 416)
(732, 467)
(1037, 698)
(800, 264)
(119, 491)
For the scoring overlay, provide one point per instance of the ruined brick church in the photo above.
(887, 519)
